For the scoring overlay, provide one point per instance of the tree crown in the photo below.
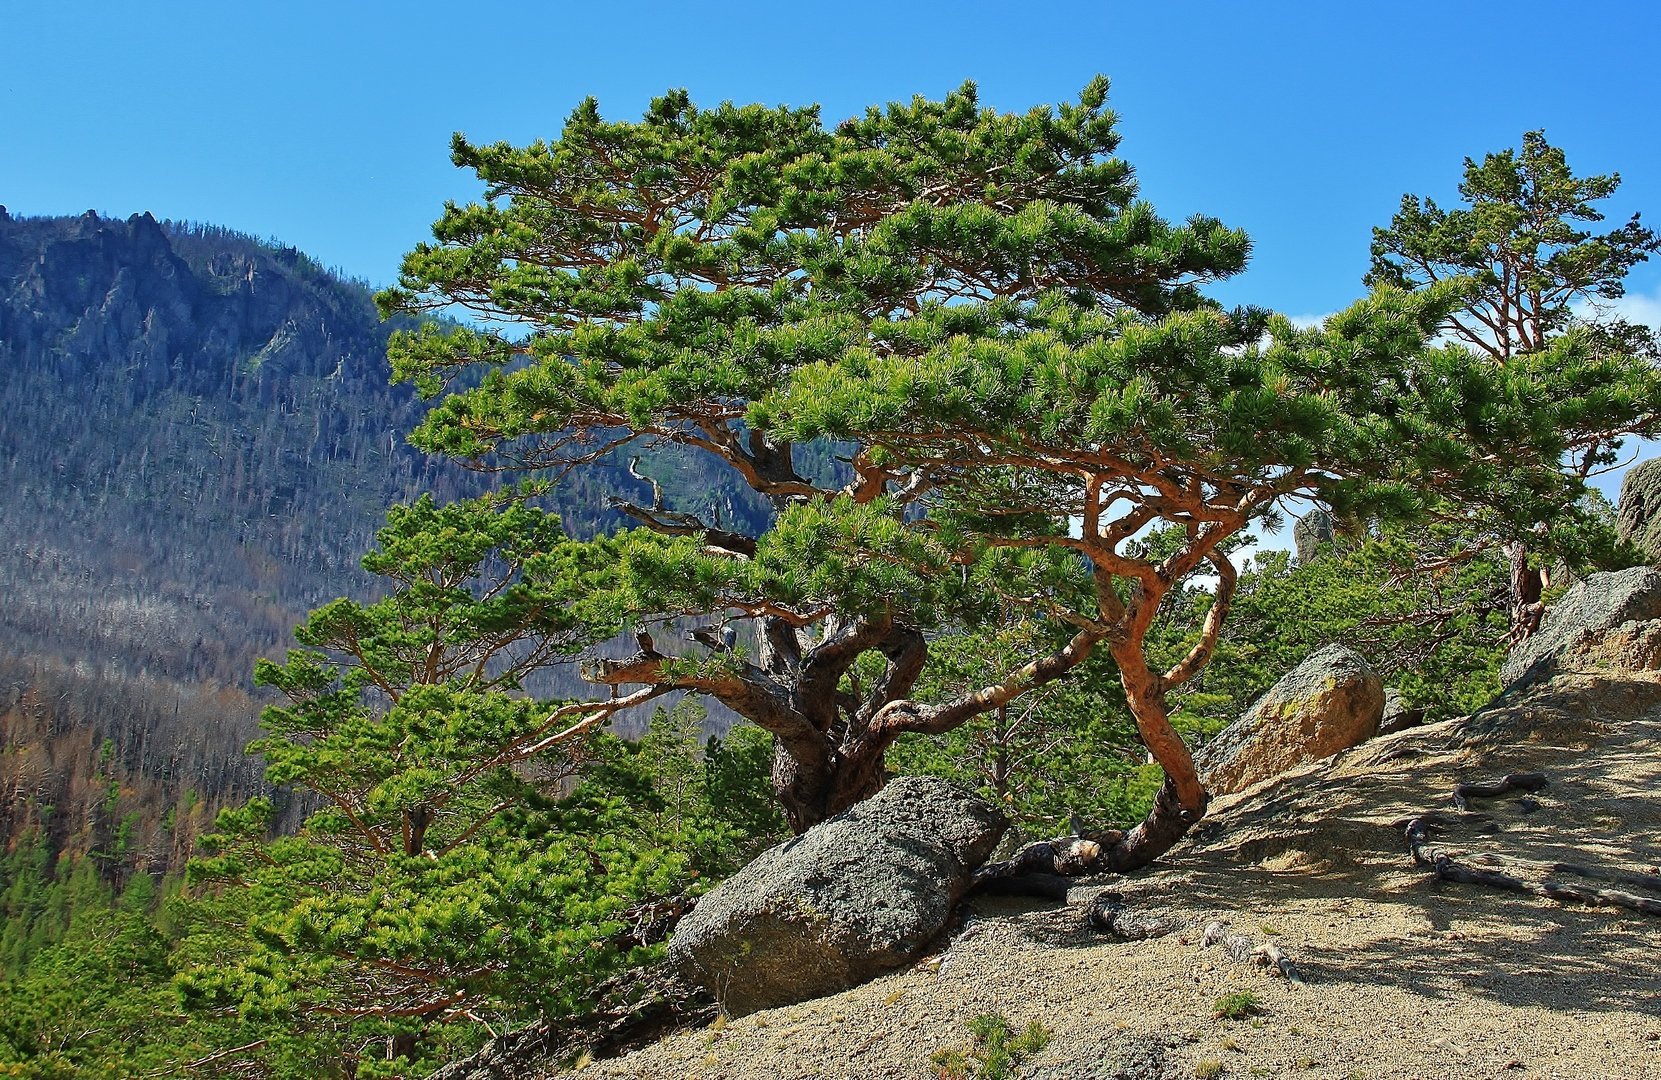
(1520, 237)
(1008, 350)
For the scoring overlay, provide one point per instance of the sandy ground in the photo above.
(1407, 976)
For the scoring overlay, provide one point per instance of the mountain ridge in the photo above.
(198, 440)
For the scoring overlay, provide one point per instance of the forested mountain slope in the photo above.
(197, 442)
(196, 436)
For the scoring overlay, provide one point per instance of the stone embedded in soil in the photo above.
(1398, 715)
(1330, 702)
(850, 899)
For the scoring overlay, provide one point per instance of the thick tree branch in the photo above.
(906, 651)
(752, 693)
(932, 719)
(677, 523)
(1212, 628)
(826, 662)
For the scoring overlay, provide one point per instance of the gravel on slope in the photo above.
(1407, 976)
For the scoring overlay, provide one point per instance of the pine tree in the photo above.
(678, 272)
(450, 876)
(1519, 240)
(1011, 357)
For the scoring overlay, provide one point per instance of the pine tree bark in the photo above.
(1527, 585)
(811, 791)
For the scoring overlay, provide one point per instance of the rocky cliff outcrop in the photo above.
(180, 308)
(1604, 621)
(1638, 514)
(1312, 532)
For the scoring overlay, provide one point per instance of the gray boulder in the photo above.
(851, 898)
(1328, 703)
(1398, 715)
(1603, 621)
(1638, 514)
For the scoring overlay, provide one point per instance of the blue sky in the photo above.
(325, 125)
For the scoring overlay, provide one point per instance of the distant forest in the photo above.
(198, 440)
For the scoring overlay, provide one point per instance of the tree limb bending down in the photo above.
(1009, 349)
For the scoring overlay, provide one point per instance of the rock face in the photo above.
(1328, 703)
(1312, 531)
(1604, 621)
(1638, 515)
(851, 898)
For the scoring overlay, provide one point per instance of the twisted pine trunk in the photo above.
(824, 785)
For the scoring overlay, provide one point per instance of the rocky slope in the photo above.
(1406, 975)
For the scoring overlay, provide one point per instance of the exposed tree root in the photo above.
(1598, 873)
(1043, 886)
(1241, 948)
(1111, 851)
(1067, 856)
(1109, 913)
(636, 1008)
(1523, 875)
(1448, 870)
(1521, 781)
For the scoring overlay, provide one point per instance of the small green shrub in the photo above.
(997, 1050)
(950, 1063)
(1240, 1005)
(1208, 1069)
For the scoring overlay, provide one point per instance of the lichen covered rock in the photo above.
(1330, 702)
(1638, 515)
(1599, 623)
(850, 899)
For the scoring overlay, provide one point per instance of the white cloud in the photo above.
(1640, 307)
